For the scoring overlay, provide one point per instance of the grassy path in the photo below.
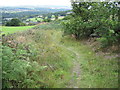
(69, 63)
(75, 71)
(89, 70)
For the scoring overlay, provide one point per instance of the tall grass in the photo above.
(34, 59)
(41, 58)
(54, 25)
(96, 70)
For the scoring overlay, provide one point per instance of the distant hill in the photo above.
(22, 11)
(35, 8)
(10, 12)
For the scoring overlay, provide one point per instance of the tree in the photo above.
(14, 22)
(56, 17)
(100, 18)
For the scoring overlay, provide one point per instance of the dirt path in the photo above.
(75, 75)
(75, 71)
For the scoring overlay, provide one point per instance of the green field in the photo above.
(35, 19)
(9, 30)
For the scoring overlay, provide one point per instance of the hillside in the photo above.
(44, 58)
(32, 15)
(33, 10)
(56, 47)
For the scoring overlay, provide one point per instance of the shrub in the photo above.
(94, 18)
(18, 70)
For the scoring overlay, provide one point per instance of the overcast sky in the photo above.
(34, 2)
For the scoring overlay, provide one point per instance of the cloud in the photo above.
(34, 2)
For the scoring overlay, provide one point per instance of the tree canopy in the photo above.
(14, 22)
(100, 18)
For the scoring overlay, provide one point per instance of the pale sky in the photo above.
(34, 2)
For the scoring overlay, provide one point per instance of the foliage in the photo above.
(46, 19)
(77, 27)
(60, 13)
(34, 59)
(18, 70)
(35, 19)
(15, 22)
(56, 17)
(42, 58)
(100, 18)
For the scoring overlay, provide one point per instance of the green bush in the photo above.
(18, 70)
(94, 18)
(15, 22)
